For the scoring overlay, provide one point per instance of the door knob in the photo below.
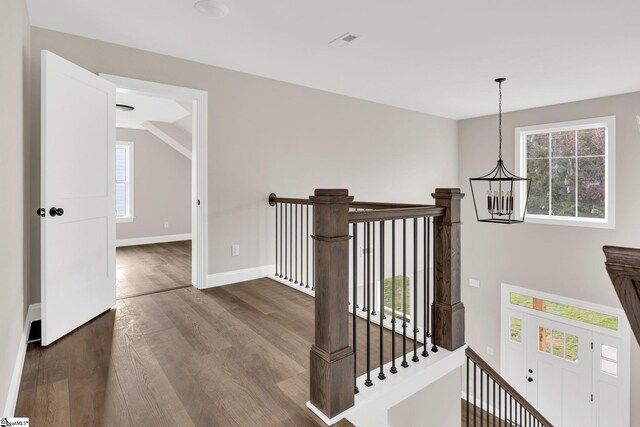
(529, 379)
(41, 212)
(56, 211)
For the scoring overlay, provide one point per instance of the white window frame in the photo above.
(609, 123)
(128, 146)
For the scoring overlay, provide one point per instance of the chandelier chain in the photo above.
(500, 117)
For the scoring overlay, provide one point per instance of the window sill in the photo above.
(125, 219)
(571, 222)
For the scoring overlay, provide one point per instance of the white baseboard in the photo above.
(14, 387)
(153, 239)
(228, 277)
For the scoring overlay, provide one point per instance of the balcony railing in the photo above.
(395, 265)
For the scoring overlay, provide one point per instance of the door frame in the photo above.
(623, 333)
(199, 163)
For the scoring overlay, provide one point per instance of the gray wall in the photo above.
(162, 188)
(268, 136)
(14, 183)
(436, 405)
(562, 260)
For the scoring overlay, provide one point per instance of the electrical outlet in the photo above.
(474, 283)
(235, 250)
(166, 224)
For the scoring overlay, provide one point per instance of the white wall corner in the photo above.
(14, 387)
(228, 277)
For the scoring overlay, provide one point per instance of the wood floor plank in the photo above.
(149, 395)
(150, 268)
(52, 404)
(235, 355)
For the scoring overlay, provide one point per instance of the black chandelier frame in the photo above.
(501, 183)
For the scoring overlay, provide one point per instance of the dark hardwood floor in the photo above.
(235, 355)
(152, 268)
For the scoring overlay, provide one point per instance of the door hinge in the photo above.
(592, 346)
(198, 202)
(592, 397)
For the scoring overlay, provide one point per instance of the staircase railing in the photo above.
(492, 401)
(623, 265)
(338, 264)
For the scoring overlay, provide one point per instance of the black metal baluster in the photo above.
(511, 409)
(488, 399)
(393, 369)
(280, 240)
(381, 375)
(425, 283)
(500, 405)
(429, 222)
(368, 381)
(373, 269)
(365, 265)
(434, 347)
(295, 251)
(475, 396)
(286, 240)
(494, 402)
(354, 306)
(468, 379)
(313, 248)
(291, 242)
(404, 363)
(276, 240)
(521, 414)
(307, 237)
(301, 245)
(481, 398)
(415, 357)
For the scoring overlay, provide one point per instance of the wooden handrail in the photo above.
(495, 376)
(623, 266)
(395, 213)
(273, 199)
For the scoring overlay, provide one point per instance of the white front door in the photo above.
(559, 371)
(77, 196)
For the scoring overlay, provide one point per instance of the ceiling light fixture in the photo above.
(499, 185)
(124, 107)
(212, 8)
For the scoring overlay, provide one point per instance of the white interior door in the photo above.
(77, 196)
(559, 371)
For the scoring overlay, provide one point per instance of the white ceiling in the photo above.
(147, 108)
(438, 57)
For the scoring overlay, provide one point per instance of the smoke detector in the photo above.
(343, 40)
(213, 8)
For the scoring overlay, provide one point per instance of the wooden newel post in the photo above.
(447, 306)
(331, 367)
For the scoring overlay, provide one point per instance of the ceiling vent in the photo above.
(344, 39)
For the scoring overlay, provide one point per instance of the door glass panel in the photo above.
(571, 348)
(561, 345)
(609, 359)
(558, 343)
(515, 327)
(545, 339)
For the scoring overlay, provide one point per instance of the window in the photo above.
(570, 312)
(571, 169)
(515, 330)
(609, 359)
(557, 343)
(389, 285)
(124, 182)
